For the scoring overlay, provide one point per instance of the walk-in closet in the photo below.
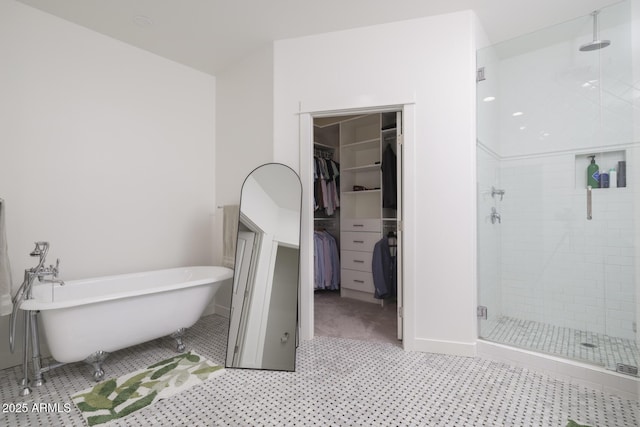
(357, 226)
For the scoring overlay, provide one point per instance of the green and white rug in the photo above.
(118, 397)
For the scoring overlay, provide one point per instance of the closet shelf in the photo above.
(362, 192)
(362, 145)
(365, 168)
(326, 147)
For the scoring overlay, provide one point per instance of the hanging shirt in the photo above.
(326, 261)
(318, 262)
(383, 267)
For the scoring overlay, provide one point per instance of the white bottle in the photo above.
(613, 178)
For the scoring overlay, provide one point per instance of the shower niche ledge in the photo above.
(605, 160)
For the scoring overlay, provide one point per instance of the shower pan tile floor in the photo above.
(337, 382)
(574, 344)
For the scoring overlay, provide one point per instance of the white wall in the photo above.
(108, 151)
(244, 122)
(244, 136)
(430, 61)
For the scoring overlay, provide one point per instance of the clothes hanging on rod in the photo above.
(384, 268)
(326, 261)
(326, 175)
(323, 153)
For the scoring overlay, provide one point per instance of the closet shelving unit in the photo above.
(361, 216)
(358, 143)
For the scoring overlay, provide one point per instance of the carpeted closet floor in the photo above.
(350, 318)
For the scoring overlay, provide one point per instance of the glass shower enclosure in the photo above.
(558, 269)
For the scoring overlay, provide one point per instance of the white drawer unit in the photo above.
(354, 241)
(355, 260)
(357, 280)
(351, 224)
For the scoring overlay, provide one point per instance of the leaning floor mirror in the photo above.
(263, 324)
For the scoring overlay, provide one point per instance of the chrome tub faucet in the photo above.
(31, 332)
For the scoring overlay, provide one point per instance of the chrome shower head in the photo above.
(596, 43)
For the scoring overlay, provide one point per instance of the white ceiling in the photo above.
(209, 35)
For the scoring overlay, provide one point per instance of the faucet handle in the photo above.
(56, 268)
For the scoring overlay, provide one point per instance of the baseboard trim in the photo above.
(454, 348)
(218, 309)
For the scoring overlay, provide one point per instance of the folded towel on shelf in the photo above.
(5, 270)
(230, 217)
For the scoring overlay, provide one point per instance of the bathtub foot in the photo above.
(96, 360)
(98, 375)
(25, 391)
(177, 335)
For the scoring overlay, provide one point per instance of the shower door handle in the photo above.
(589, 217)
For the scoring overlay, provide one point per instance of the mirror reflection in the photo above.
(263, 322)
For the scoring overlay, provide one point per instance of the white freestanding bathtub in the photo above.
(105, 314)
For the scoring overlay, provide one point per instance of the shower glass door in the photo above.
(552, 280)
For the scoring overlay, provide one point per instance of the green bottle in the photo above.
(593, 174)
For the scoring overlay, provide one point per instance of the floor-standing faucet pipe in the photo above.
(25, 358)
(36, 363)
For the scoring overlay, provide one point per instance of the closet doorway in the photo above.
(357, 236)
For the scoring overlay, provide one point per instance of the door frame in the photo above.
(306, 118)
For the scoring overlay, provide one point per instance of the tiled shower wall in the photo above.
(556, 266)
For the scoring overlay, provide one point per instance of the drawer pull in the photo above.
(358, 260)
(358, 281)
(358, 225)
(358, 241)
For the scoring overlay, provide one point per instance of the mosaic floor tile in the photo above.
(338, 382)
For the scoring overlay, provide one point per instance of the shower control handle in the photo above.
(495, 216)
(589, 216)
(496, 192)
